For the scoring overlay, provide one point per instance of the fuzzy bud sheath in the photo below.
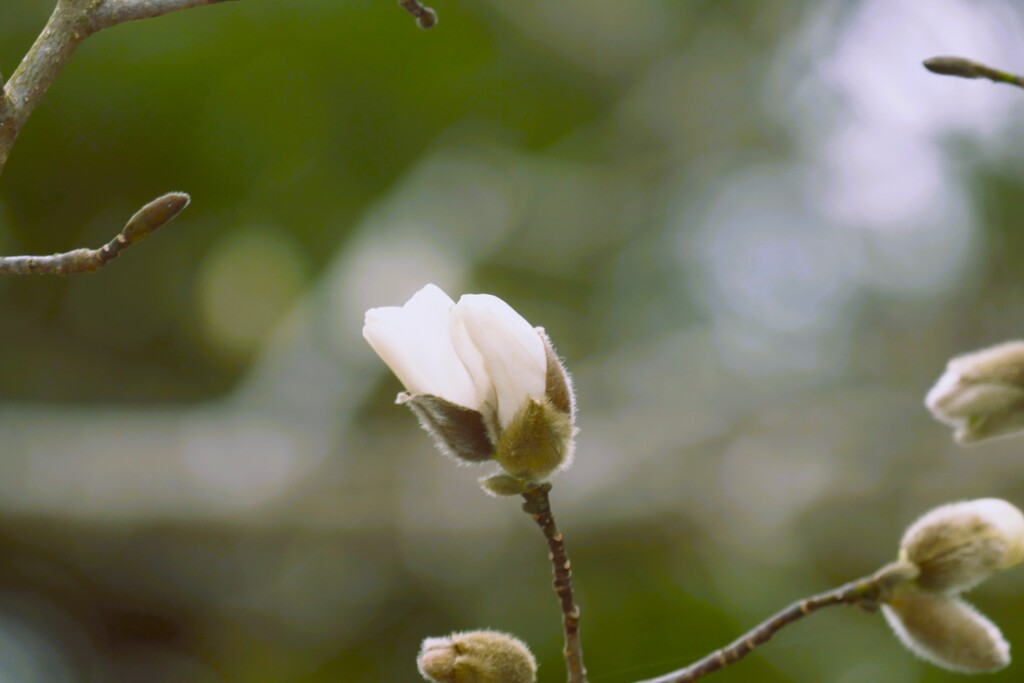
(477, 657)
(981, 394)
(954, 548)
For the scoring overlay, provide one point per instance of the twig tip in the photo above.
(155, 214)
(953, 66)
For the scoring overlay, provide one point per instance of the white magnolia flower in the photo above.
(981, 394)
(483, 381)
(415, 341)
(479, 353)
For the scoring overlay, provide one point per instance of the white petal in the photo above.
(502, 351)
(415, 341)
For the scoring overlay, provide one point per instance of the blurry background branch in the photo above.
(966, 68)
(147, 219)
(71, 23)
(868, 593)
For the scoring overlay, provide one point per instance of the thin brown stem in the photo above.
(147, 219)
(967, 68)
(538, 506)
(867, 593)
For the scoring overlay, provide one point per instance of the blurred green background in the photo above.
(755, 230)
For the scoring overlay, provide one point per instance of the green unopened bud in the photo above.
(957, 546)
(946, 631)
(154, 215)
(477, 657)
(955, 66)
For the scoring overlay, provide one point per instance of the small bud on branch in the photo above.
(425, 16)
(146, 220)
(966, 68)
(477, 657)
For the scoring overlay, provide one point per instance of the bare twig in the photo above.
(425, 16)
(966, 68)
(146, 220)
(109, 13)
(867, 593)
(71, 23)
(538, 506)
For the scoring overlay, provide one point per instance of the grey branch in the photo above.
(867, 593)
(112, 12)
(71, 23)
(140, 226)
(966, 68)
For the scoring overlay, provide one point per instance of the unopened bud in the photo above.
(954, 66)
(428, 19)
(957, 546)
(477, 657)
(981, 394)
(946, 631)
(154, 215)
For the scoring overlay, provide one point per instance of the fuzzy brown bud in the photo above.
(477, 657)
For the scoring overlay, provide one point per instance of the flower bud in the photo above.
(946, 631)
(981, 394)
(956, 546)
(954, 66)
(477, 657)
